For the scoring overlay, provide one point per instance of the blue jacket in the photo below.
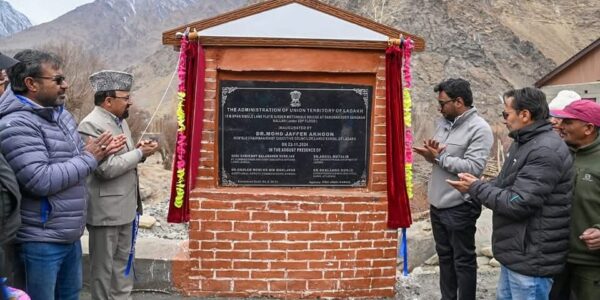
(42, 146)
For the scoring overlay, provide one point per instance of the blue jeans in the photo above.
(515, 286)
(52, 270)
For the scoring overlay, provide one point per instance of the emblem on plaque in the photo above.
(295, 98)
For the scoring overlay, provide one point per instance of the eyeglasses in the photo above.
(443, 103)
(59, 79)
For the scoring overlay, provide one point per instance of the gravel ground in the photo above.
(155, 185)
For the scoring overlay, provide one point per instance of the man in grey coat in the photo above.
(461, 143)
(113, 188)
(39, 139)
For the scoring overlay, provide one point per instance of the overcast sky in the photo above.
(41, 11)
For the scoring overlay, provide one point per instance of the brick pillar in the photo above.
(289, 242)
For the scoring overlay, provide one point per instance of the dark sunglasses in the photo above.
(504, 115)
(59, 79)
(443, 103)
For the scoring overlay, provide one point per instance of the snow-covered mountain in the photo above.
(11, 20)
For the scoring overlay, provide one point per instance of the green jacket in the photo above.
(586, 203)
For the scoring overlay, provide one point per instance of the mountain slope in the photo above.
(11, 20)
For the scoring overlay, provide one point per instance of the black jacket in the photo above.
(10, 198)
(531, 201)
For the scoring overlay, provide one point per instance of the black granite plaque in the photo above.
(293, 134)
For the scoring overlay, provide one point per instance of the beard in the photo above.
(60, 100)
(125, 114)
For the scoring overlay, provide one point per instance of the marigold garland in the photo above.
(407, 104)
(181, 138)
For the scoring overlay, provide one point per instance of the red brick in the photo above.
(385, 244)
(305, 274)
(341, 217)
(359, 244)
(250, 246)
(331, 207)
(209, 204)
(289, 227)
(325, 245)
(233, 236)
(378, 235)
(287, 285)
(357, 227)
(370, 253)
(202, 215)
(358, 207)
(208, 274)
(310, 217)
(322, 284)
(250, 226)
(353, 284)
(351, 264)
(313, 236)
(325, 226)
(268, 274)
(379, 159)
(288, 246)
(383, 282)
(268, 216)
(388, 272)
(232, 255)
(215, 264)
(305, 255)
(216, 285)
(309, 207)
(380, 226)
(267, 255)
(232, 274)
(250, 285)
(202, 254)
(194, 245)
(233, 215)
(370, 273)
(382, 263)
(250, 265)
(338, 274)
(250, 206)
(324, 265)
(340, 236)
(202, 235)
(340, 254)
(371, 217)
(282, 206)
(390, 253)
(216, 245)
(268, 236)
(216, 225)
(289, 265)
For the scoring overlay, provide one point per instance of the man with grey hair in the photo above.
(39, 139)
(115, 200)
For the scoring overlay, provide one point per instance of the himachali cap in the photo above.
(7, 61)
(564, 98)
(584, 110)
(108, 80)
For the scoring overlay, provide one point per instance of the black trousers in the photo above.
(454, 235)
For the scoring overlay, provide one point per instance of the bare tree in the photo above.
(168, 136)
(78, 65)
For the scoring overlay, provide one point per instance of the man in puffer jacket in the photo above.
(39, 139)
(531, 199)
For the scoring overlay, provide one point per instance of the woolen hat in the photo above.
(562, 99)
(108, 80)
(584, 110)
(7, 61)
